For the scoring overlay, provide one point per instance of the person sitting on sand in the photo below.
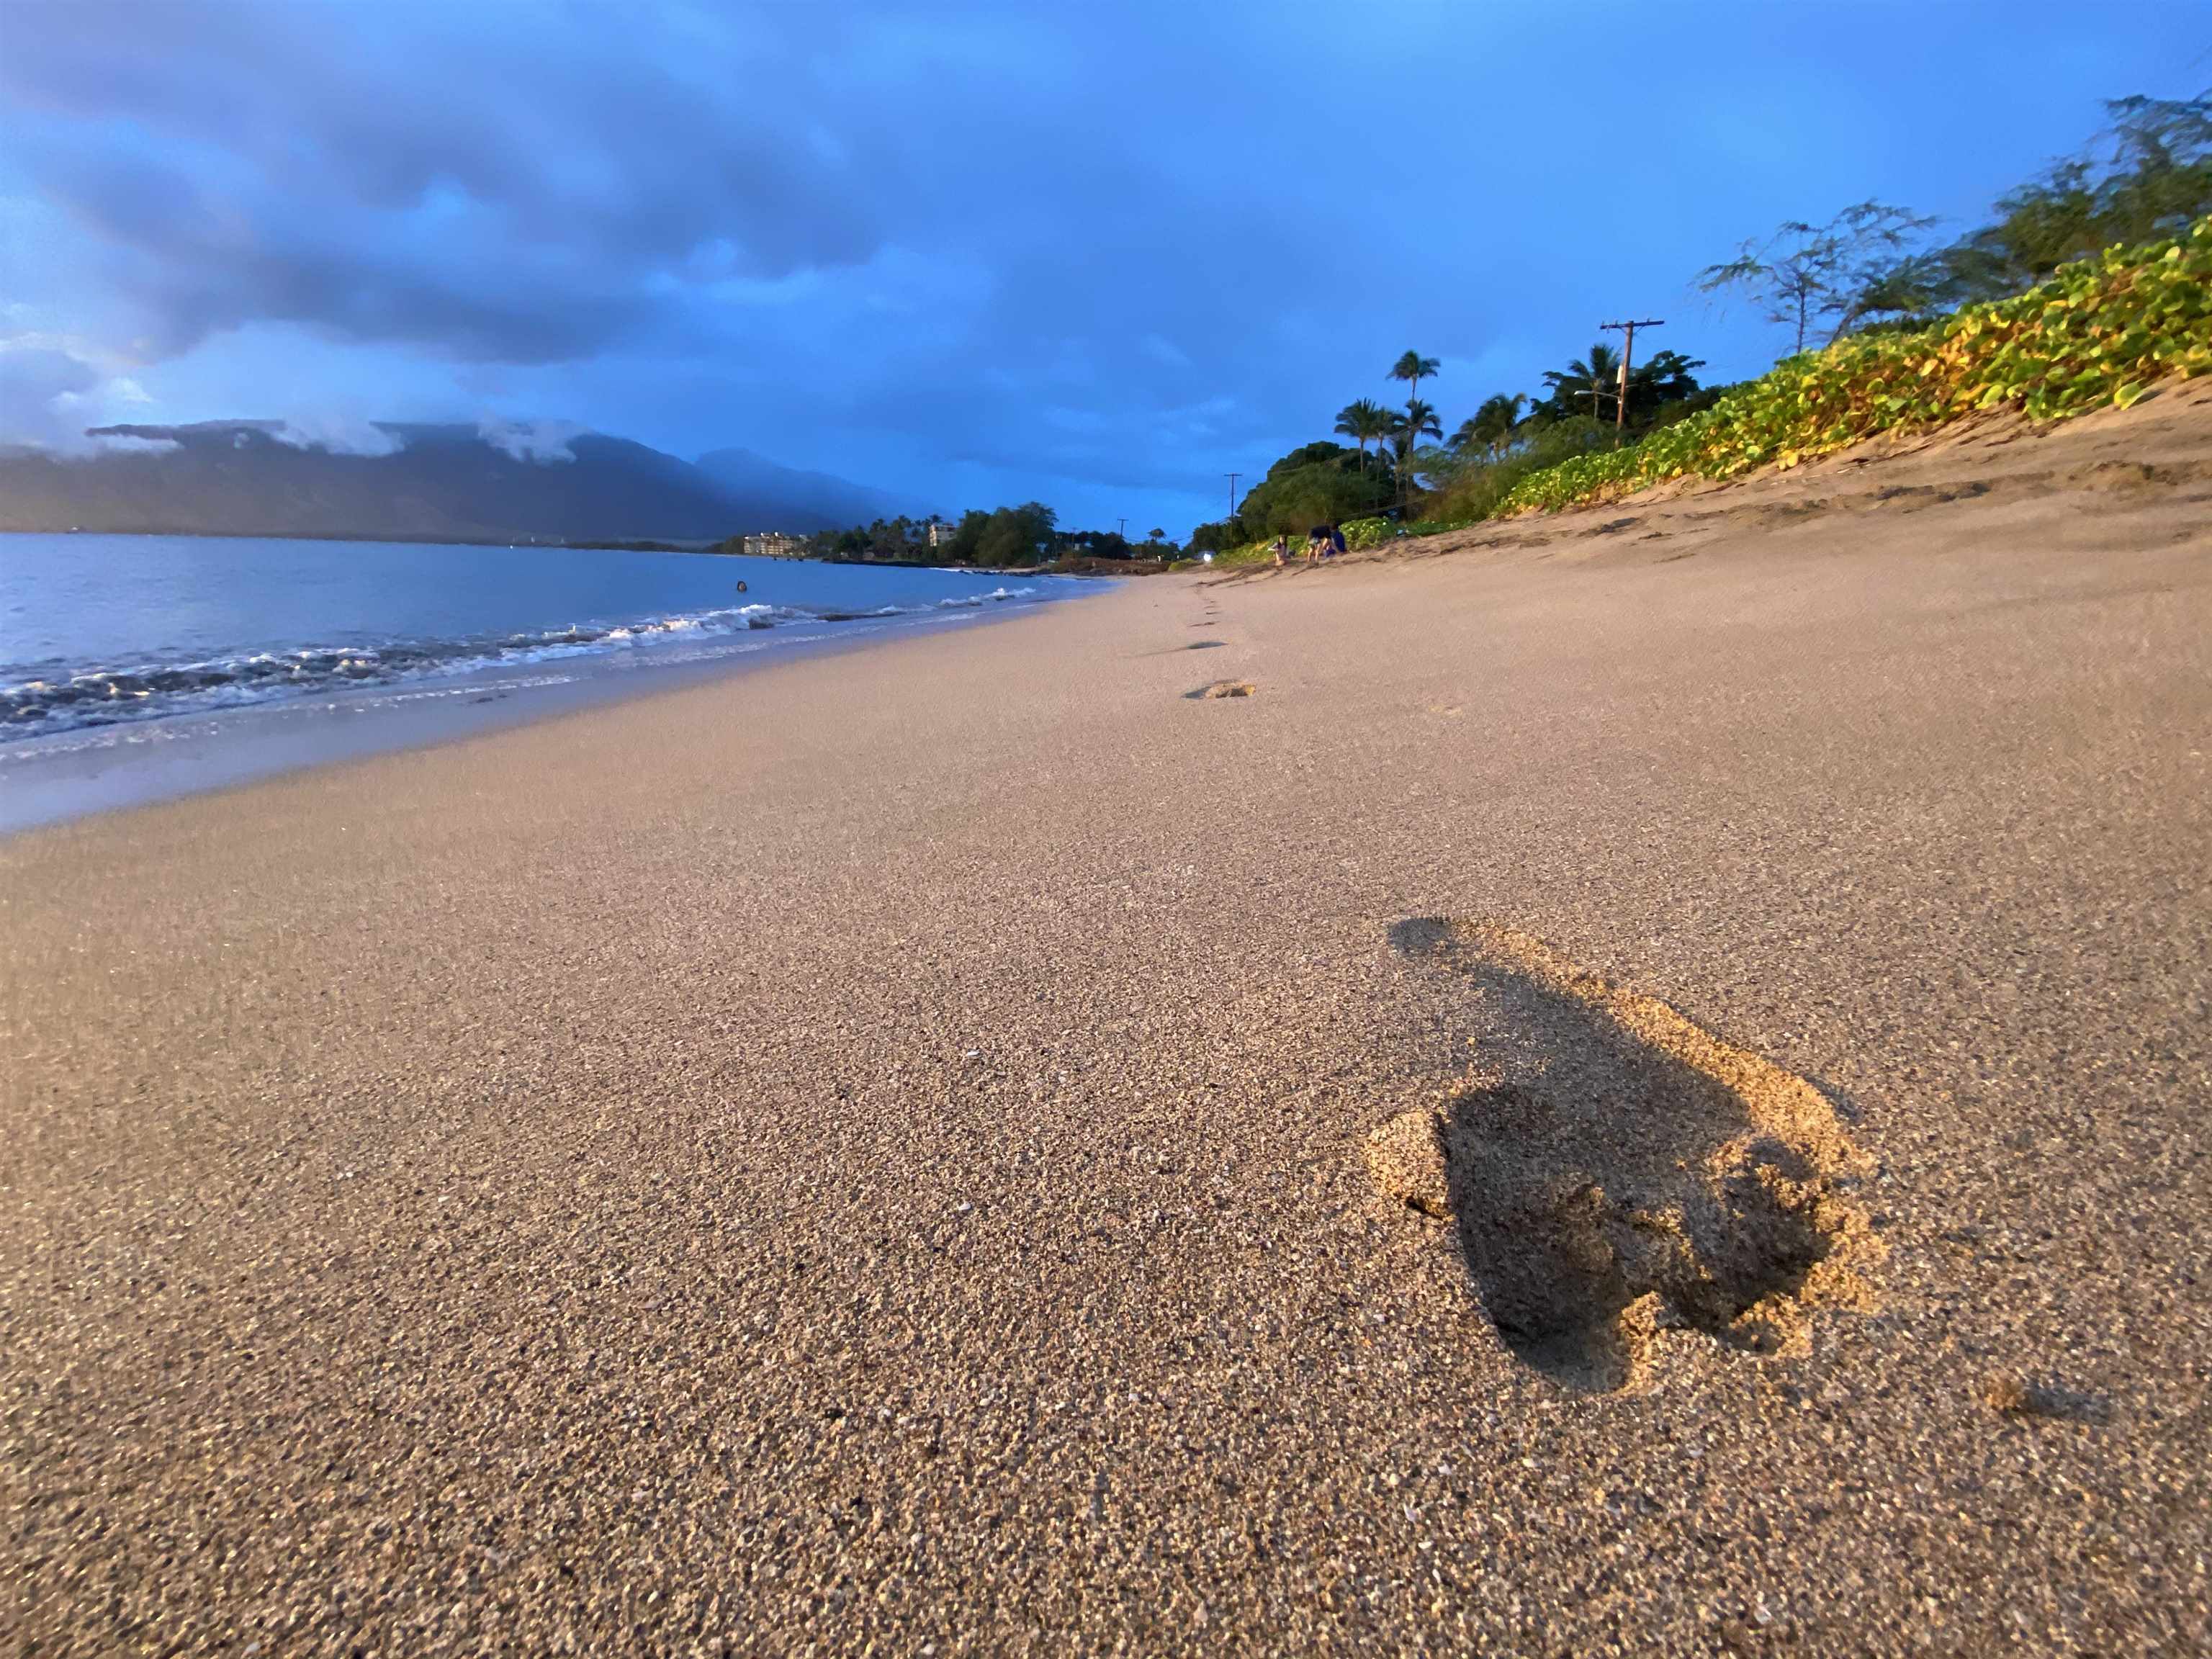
(1282, 550)
(1336, 547)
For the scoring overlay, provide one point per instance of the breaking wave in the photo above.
(57, 697)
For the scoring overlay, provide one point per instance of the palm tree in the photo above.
(1364, 421)
(1664, 377)
(1491, 425)
(1419, 422)
(1596, 380)
(1413, 368)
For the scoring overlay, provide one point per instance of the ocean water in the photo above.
(139, 666)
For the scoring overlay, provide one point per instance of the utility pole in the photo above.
(1627, 356)
(1233, 477)
(1124, 532)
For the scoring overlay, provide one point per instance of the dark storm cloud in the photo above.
(489, 192)
(193, 262)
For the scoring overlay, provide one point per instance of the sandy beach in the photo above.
(873, 1155)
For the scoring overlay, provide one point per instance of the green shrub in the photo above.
(2096, 334)
(1291, 499)
(1474, 486)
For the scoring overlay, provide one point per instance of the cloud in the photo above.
(31, 372)
(444, 181)
(544, 443)
(48, 396)
(338, 435)
(1163, 351)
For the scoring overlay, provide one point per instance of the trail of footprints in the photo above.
(1613, 1170)
(1218, 689)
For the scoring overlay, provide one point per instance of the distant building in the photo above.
(773, 544)
(941, 535)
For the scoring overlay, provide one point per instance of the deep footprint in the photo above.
(1613, 1170)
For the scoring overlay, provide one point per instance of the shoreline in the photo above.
(120, 765)
(878, 1151)
(1086, 566)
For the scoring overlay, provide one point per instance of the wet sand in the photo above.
(874, 1154)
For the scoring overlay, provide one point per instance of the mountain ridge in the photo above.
(435, 483)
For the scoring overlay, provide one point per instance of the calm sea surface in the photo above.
(258, 654)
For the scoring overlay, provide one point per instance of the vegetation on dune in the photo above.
(1917, 339)
(1475, 490)
(1839, 273)
(2098, 333)
(2145, 177)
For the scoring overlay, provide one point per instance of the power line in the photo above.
(1627, 356)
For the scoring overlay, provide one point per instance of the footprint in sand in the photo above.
(1223, 689)
(1613, 1170)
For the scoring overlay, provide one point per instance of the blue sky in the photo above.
(1095, 254)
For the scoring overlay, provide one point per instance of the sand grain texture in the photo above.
(872, 1153)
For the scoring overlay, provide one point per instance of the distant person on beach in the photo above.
(1316, 539)
(1336, 547)
(1282, 550)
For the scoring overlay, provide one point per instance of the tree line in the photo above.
(1004, 538)
(1872, 266)
(1401, 463)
